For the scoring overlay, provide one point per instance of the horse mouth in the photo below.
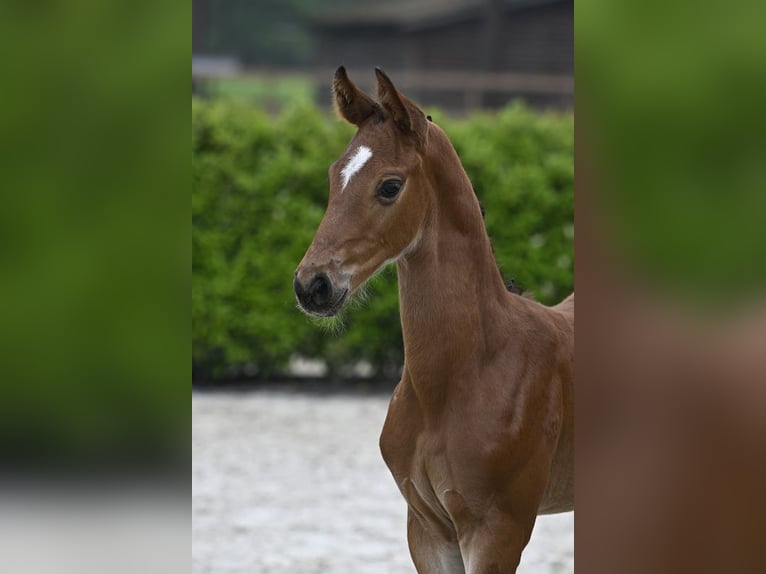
(331, 309)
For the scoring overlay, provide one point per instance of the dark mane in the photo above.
(510, 284)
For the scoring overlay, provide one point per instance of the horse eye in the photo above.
(390, 188)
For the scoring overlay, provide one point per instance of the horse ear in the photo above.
(409, 117)
(352, 104)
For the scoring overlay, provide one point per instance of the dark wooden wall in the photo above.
(499, 37)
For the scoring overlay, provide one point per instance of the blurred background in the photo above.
(287, 475)
(460, 55)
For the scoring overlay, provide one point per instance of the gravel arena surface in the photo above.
(289, 483)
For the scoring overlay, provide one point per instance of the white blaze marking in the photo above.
(357, 161)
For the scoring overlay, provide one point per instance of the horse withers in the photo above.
(479, 431)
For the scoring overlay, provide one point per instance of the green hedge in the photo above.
(259, 189)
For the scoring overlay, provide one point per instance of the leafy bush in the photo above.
(259, 190)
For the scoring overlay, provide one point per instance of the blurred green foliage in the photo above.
(675, 141)
(94, 255)
(259, 190)
(272, 93)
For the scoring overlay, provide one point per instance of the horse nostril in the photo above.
(320, 290)
(316, 294)
(300, 290)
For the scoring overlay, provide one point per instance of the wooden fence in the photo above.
(455, 90)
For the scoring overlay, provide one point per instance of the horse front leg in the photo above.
(495, 545)
(493, 534)
(432, 553)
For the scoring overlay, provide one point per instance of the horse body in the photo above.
(479, 432)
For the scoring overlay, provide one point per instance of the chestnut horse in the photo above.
(479, 432)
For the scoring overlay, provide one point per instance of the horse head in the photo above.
(379, 196)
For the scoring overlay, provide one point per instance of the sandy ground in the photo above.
(291, 483)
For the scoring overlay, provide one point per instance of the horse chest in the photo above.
(424, 481)
(418, 461)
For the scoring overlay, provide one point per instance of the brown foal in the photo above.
(479, 432)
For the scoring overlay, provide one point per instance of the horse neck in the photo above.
(450, 289)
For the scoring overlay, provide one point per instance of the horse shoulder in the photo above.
(403, 423)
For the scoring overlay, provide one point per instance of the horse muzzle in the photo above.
(318, 295)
